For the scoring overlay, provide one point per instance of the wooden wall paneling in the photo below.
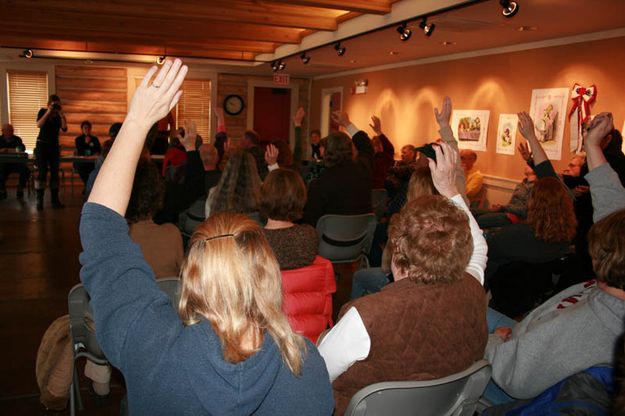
(97, 94)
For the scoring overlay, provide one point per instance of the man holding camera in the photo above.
(49, 120)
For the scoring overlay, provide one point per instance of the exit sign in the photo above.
(281, 79)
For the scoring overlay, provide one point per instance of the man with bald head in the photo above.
(9, 142)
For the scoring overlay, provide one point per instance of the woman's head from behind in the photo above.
(283, 195)
(606, 245)
(232, 279)
(421, 183)
(338, 150)
(148, 190)
(431, 241)
(550, 212)
(238, 189)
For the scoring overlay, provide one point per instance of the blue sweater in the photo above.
(173, 369)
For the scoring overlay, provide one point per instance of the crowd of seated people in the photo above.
(429, 320)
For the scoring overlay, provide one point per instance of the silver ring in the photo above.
(156, 86)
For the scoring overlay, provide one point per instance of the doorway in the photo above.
(272, 113)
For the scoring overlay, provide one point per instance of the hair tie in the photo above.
(218, 236)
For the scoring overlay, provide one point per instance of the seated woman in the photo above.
(282, 202)
(579, 327)
(373, 279)
(344, 186)
(161, 244)
(227, 348)
(238, 189)
(550, 225)
(429, 323)
(86, 145)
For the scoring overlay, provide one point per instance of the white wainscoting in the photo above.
(499, 189)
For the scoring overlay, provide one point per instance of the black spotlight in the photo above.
(281, 65)
(27, 53)
(404, 32)
(161, 60)
(340, 50)
(274, 66)
(427, 29)
(305, 59)
(510, 8)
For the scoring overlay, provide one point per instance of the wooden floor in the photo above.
(39, 265)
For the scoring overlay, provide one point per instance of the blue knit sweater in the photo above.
(172, 369)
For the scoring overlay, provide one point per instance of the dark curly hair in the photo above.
(606, 245)
(148, 190)
(238, 189)
(550, 212)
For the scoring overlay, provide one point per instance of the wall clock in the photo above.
(233, 104)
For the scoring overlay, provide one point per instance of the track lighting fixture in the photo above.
(27, 53)
(161, 60)
(340, 50)
(278, 65)
(305, 59)
(427, 29)
(404, 32)
(510, 8)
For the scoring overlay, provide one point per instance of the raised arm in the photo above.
(526, 127)
(444, 178)
(298, 119)
(150, 103)
(387, 147)
(606, 190)
(444, 129)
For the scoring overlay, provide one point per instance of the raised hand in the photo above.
(219, 113)
(376, 125)
(271, 155)
(299, 117)
(524, 150)
(188, 141)
(341, 118)
(526, 126)
(154, 101)
(444, 169)
(599, 127)
(443, 117)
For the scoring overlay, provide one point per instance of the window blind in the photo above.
(28, 92)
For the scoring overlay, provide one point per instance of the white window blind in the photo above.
(195, 104)
(28, 92)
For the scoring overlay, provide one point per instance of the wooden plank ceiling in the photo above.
(212, 29)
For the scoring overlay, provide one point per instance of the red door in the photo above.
(272, 113)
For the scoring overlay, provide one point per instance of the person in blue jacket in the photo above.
(227, 348)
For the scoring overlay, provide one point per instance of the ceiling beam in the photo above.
(360, 6)
(236, 11)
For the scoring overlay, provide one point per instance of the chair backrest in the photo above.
(345, 238)
(455, 395)
(378, 202)
(81, 317)
(307, 295)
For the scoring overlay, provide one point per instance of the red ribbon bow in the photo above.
(582, 98)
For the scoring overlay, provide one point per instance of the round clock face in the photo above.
(233, 104)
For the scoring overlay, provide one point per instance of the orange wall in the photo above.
(404, 98)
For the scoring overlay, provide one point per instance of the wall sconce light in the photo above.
(305, 59)
(340, 50)
(27, 53)
(404, 32)
(510, 8)
(427, 29)
(161, 60)
(360, 86)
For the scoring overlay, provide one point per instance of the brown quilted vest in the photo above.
(418, 332)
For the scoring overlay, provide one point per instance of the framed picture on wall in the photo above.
(548, 110)
(471, 128)
(506, 133)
